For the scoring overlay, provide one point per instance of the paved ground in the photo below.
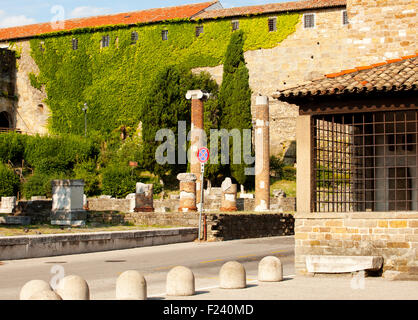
(101, 269)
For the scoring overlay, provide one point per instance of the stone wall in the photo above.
(222, 227)
(32, 113)
(394, 236)
(7, 84)
(38, 210)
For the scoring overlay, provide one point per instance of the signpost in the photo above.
(203, 157)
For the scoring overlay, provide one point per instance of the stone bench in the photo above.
(343, 264)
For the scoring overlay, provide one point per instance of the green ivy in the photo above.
(114, 81)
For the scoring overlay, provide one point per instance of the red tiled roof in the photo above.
(144, 16)
(392, 75)
(270, 8)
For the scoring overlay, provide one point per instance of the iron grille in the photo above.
(309, 20)
(74, 43)
(164, 35)
(365, 162)
(105, 41)
(199, 30)
(134, 37)
(345, 17)
(235, 25)
(272, 24)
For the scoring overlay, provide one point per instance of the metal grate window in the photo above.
(365, 162)
(272, 24)
(74, 44)
(235, 25)
(134, 37)
(345, 17)
(199, 30)
(105, 41)
(309, 20)
(164, 35)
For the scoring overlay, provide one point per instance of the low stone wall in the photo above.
(24, 247)
(221, 227)
(104, 204)
(394, 236)
(38, 210)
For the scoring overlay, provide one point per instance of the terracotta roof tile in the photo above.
(152, 15)
(270, 8)
(392, 75)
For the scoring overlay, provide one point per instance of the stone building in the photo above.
(357, 149)
(330, 35)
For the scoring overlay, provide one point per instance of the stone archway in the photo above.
(5, 120)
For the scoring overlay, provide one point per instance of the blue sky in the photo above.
(21, 12)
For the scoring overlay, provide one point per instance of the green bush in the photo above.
(9, 182)
(276, 166)
(87, 171)
(12, 147)
(118, 181)
(289, 173)
(37, 185)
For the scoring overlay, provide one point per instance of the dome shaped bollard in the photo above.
(45, 295)
(180, 282)
(131, 285)
(32, 287)
(270, 269)
(232, 276)
(73, 288)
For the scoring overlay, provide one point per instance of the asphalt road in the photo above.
(101, 269)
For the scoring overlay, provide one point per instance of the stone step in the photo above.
(343, 264)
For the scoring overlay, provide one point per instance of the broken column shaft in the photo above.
(262, 155)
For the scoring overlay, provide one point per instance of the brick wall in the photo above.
(394, 236)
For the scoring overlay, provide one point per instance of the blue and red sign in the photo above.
(203, 155)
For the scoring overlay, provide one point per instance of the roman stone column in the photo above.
(198, 136)
(187, 192)
(262, 155)
(229, 196)
(144, 197)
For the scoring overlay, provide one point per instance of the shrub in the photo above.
(12, 147)
(289, 173)
(87, 171)
(9, 182)
(37, 185)
(276, 166)
(118, 181)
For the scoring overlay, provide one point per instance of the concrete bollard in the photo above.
(32, 287)
(232, 276)
(180, 282)
(73, 288)
(270, 269)
(45, 295)
(131, 285)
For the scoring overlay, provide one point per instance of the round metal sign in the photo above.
(203, 155)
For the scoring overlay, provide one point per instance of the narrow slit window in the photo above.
(74, 43)
(42, 46)
(199, 30)
(345, 18)
(309, 21)
(134, 37)
(164, 35)
(272, 24)
(235, 25)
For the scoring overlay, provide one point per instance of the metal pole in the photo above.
(85, 123)
(201, 199)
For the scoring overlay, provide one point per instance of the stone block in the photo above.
(67, 203)
(8, 205)
(342, 264)
(15, 220)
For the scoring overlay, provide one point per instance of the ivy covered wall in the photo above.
(114, 81)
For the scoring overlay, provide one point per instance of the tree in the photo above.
(235, 98)
(166, 106)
